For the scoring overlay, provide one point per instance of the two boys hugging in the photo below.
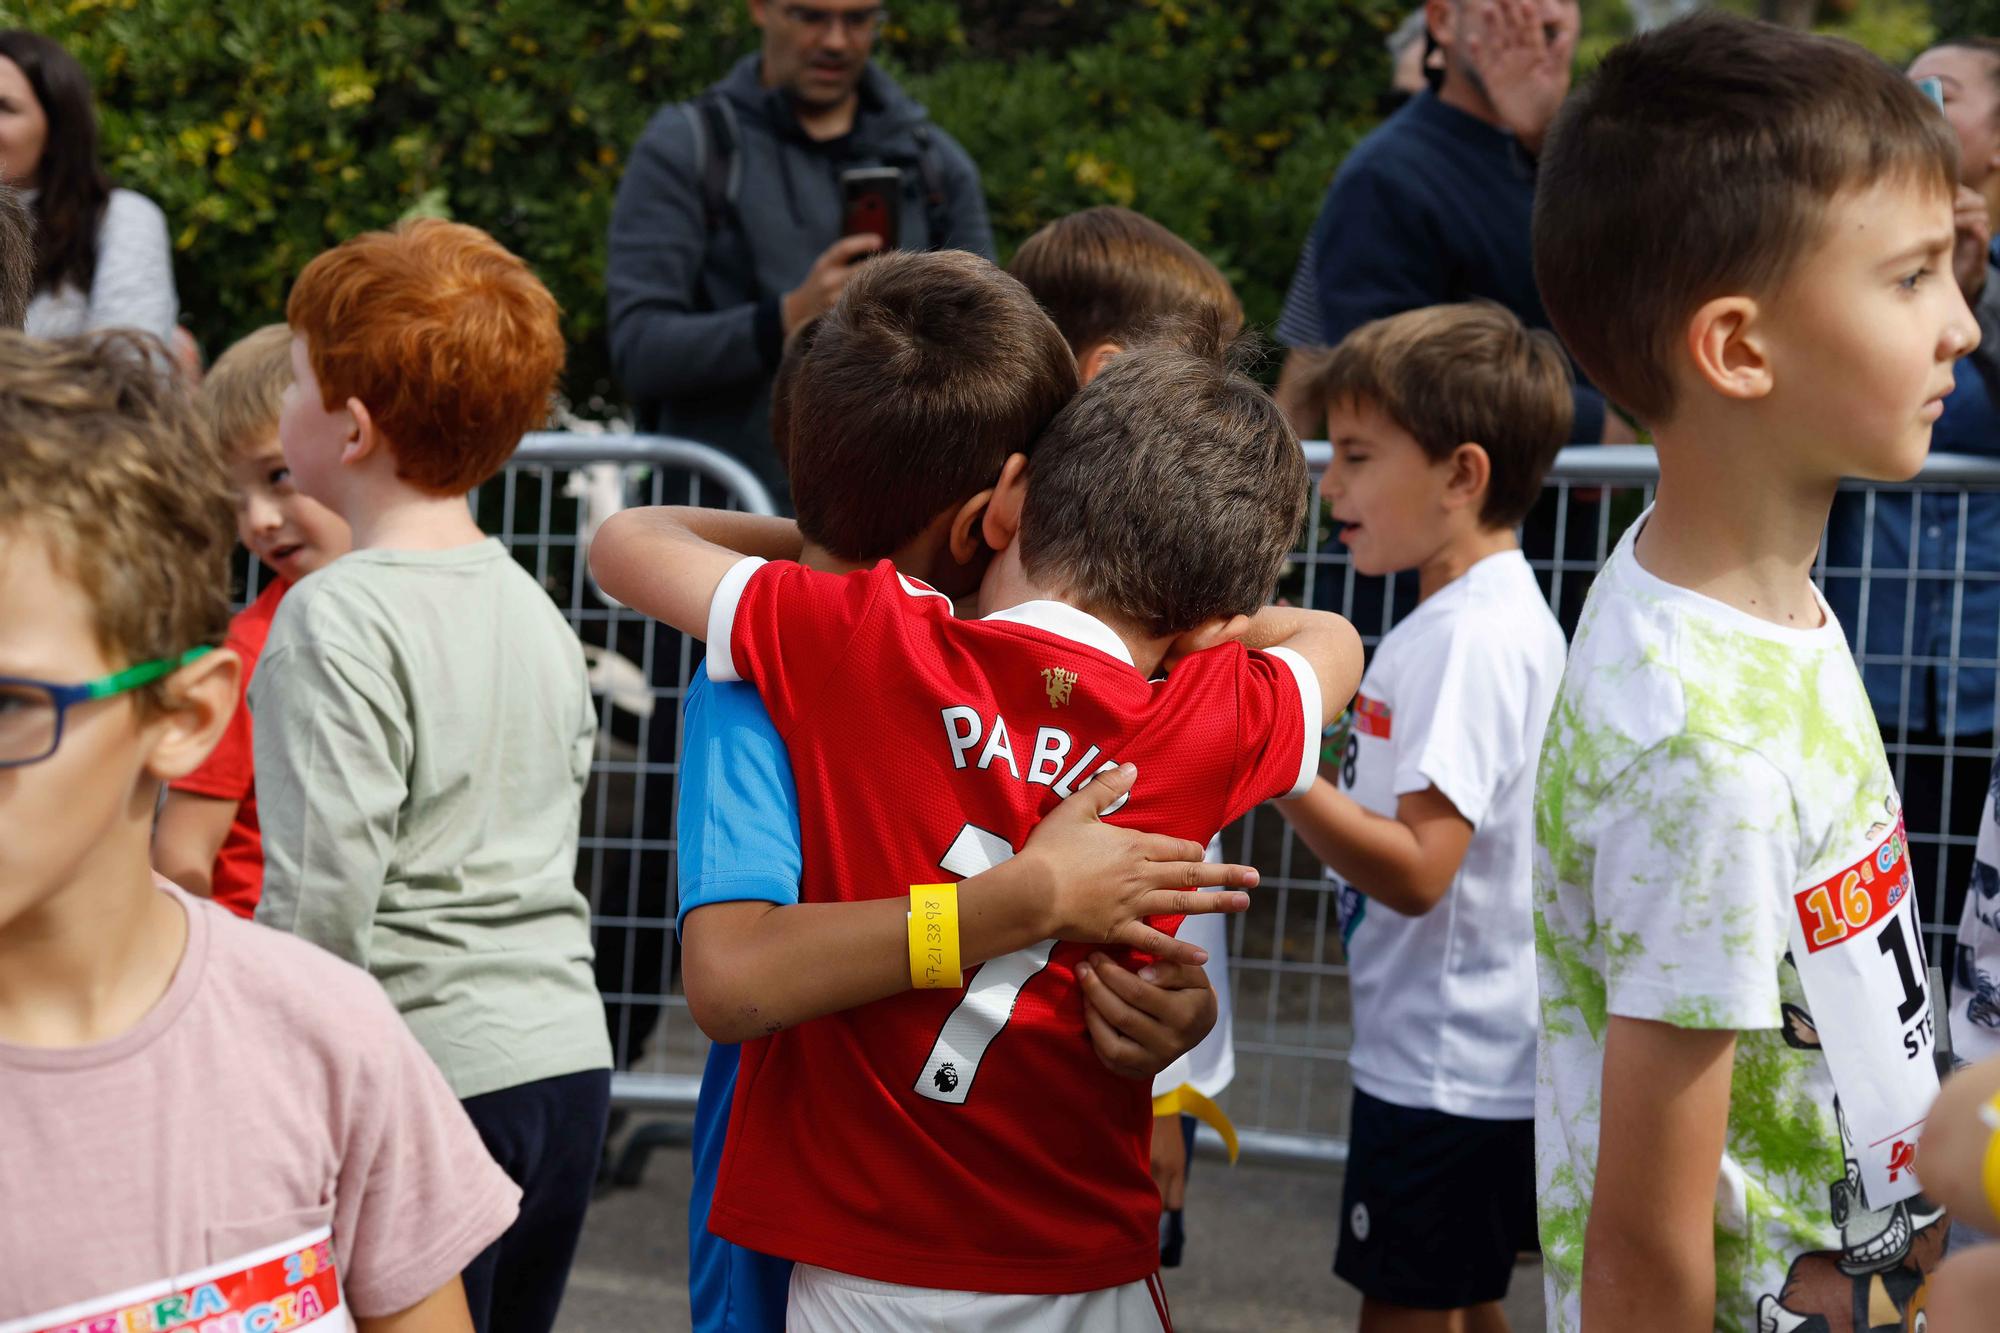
(1149, 527)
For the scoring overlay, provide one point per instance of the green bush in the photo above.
(270, 130)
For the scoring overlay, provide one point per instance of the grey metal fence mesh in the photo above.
(1291, 1093)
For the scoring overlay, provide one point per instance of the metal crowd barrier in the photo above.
(1290, 1096)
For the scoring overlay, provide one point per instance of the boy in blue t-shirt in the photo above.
(738, 826)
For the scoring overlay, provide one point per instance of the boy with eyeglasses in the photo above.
(207, 1123)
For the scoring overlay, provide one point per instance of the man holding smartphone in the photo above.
(743, 211)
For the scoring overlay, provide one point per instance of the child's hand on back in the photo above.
(1139, 1023)
(1101, 880)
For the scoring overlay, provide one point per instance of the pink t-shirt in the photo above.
(269, 1138)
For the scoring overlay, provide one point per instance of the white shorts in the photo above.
(823, 1301)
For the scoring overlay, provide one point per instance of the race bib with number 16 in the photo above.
(1860, 956)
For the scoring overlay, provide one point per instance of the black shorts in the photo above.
(1436, 1207)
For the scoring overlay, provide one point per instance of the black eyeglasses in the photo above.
(32, 711)
(858, 22)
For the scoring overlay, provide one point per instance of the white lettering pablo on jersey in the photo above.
(1048, 763)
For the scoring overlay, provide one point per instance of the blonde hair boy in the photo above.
(208, 838)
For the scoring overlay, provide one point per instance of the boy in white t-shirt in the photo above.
(1744, 234)
(1443, 422)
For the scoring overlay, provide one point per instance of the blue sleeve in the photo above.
(738, 809)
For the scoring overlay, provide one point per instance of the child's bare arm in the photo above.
(1951, 1160)
(666, 561)
(1649, 1250)
(188, 833)
(1328, 644)
(443, 1311)
(754, 968)
(1406, 863)
(1965, 1291)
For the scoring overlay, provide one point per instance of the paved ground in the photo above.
(1260, 1244)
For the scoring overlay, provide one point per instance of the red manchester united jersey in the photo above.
(969, 1139)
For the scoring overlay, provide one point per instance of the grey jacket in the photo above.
(694, 319)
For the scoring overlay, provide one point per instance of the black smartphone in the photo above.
(872, 198)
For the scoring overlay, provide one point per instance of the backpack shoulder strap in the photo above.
(936, 215)
(715, 157)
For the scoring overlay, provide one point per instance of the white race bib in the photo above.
(1860, 956)
(290, 1287)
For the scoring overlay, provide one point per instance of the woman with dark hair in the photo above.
(102, 257)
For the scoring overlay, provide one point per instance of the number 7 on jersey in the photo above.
(990, 997)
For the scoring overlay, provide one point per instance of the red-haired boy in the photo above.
(424, 726)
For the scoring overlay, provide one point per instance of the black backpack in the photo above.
(721, 168)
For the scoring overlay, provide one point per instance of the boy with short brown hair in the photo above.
(1744, 234)
(873, 674)
(1442, 422)
(336, 1174)
(207, 838)
(1109, 276)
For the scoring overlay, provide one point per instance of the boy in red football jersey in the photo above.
(207, 839)
(974, 1121)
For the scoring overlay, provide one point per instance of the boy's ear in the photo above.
(365, 438)
(965, 539)
(1471, 471)
(1726, 345)
(201, 697)
(1094, 359)
(1208, 634)
(1003, 511)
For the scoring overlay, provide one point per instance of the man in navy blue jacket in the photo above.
(1434, 205)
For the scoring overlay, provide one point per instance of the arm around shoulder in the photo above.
(1326, 643)
(668, 561)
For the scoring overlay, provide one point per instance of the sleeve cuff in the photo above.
(1449, 785)
(1752, 1010)
(767, 325)
(722, 618)
(1310, 719)
(751, 887)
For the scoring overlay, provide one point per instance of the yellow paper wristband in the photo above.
(934, 937)
(1990, 1170)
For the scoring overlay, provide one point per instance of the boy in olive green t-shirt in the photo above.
(424, 725)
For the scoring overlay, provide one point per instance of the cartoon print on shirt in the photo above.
(1983, 1006)
(1877, 1279)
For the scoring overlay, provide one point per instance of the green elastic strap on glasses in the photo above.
(132, 677)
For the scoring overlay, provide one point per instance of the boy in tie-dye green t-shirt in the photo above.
(1744, 235)
(1708, 781)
